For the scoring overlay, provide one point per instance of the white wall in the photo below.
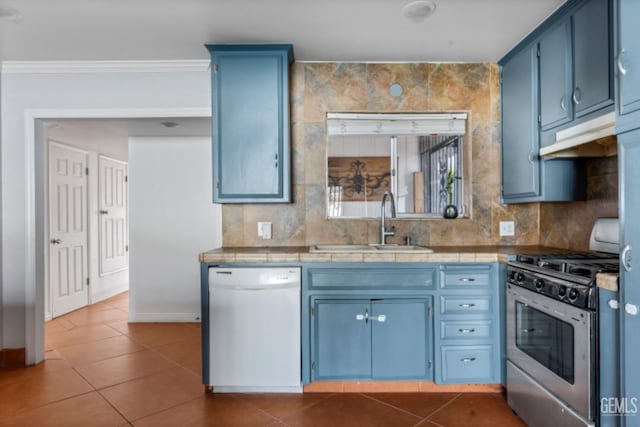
(172, 219)
(81, 92)
(96, 141)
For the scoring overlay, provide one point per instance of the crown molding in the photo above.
(61, 67)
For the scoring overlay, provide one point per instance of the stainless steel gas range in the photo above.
(552, 322)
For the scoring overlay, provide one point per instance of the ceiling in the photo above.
(320, 30)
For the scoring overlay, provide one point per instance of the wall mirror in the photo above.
(409, 155)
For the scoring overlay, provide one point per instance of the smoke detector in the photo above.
(419, 10)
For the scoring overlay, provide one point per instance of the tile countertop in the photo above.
(440, 254)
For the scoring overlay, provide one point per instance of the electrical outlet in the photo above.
(264, 230)
(507, 228)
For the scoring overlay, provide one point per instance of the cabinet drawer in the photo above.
(477, 329)
(459, 304)
(471, 278)
(468, 364)
(361, 278)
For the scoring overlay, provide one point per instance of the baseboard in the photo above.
(12, 358)
(398, 386)
(109, 292)
(163, 317)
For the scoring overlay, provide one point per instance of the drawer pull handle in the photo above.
(467, 305)
(468, 359)
(466, 279)
(466, 331)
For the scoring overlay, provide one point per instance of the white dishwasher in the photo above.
(254, 327)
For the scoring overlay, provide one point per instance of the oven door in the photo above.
(552, 343)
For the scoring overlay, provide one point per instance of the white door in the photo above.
(112, 195)
(68, 263)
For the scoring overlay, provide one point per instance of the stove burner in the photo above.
(570, 278)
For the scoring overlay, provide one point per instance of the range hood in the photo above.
(593, 138)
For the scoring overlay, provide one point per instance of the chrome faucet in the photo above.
(383, 232)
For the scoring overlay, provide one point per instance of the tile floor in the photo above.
(102, 371)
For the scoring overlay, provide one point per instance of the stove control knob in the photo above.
(562, 290)
(539, 284)
(519, 277)
(573, 294)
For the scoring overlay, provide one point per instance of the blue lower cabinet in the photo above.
(401, 339)
(468, 364)
(372, 339)
(342, 339)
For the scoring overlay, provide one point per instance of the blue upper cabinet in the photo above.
(520, 169)
(628, 65)
(556, 107)
(250, 111)
(576, 66)
(525, 176)
(592, 57)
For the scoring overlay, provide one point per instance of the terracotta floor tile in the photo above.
(419, 404)
(81, 354)
(351, 410)
(87, 316)
(86, 410)
(145, 396)
(37, 372)
(187, 353)
(282, 405)
(478, 410)
(78, 335)
(58, 324)
(156, 334)
(50, 387)
(209, 410)
(123, 368)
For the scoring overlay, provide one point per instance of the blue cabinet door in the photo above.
(629, 206)
(592, 57)
(401, 339)
(250, 109)
(556, 107)
(342, 344)
(520, 164)
(628, 64)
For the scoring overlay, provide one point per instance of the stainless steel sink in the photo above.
(369, 248)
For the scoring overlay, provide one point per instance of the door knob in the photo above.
(103, 212)
(56, 241)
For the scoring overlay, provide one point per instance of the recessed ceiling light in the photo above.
(170, 125)
(9, 14)
(419, 10)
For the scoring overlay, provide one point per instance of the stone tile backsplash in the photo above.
(318, 88)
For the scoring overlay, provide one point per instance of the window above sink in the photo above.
(409, 155)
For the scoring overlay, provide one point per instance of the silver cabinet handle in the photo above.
(466, 331)
(276, 160)
(531, 157)
(466, 305)
(468, 359)
(380, 318)
(56, 241)
(577, 95)
(364, 316)
(613, 304)
(623, 71)
(564, 107)
(631, 309)
(104, 212)
(625, 258)
(466, 279)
